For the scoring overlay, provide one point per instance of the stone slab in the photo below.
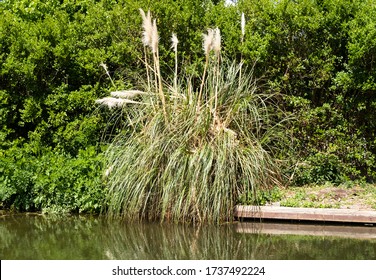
(306, 214)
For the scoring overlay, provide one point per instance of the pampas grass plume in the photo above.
(127, 93)
(217, 41)
(175, 41)
(212, 41)
(242, 25)
(207, 43)
(111, 102)
(147, 25)
(155, 37)
(174, 46)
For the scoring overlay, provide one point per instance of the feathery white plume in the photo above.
(212, 41)
(242, 25)
(207, 43)
(127, 93)
(175, 41)
(217, 41)
(154, 37)
(148, 29)
(111, 102)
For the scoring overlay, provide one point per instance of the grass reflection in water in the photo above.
(41, 237)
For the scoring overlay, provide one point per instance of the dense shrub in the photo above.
(52, 182)
(319, 55)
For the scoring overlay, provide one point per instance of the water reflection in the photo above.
(43, 237)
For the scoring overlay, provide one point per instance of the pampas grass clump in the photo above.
(191, 152)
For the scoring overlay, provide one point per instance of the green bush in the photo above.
(52, 182)
(318, 54)
(16, 180)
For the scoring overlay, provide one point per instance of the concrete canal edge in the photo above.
(344, 231)
(305, 214)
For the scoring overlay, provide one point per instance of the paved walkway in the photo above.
(306, 214)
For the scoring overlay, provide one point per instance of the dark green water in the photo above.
(42, 237)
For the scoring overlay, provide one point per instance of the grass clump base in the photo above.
(195, 166)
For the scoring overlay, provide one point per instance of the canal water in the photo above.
(30, 237)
